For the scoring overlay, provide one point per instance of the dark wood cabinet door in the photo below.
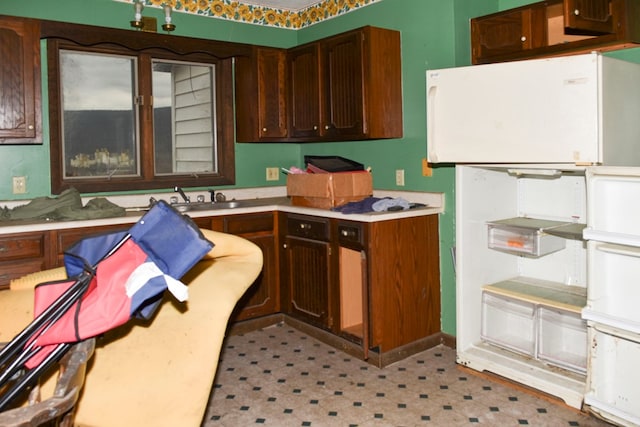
(343, 98)
(20, 100)
(308, 279)
(272, 120)
(304, 91)
(261, 112)
(588, 17)
(262, 297)
(505, 33)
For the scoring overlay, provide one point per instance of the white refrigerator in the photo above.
(523, 136)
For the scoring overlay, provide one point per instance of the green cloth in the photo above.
(66, 206)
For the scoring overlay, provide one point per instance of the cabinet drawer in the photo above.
(312, 228)
(65, 238)
(350, 234)
(13, 270)
(22, 246)
(243, 224)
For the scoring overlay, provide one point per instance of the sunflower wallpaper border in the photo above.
(259, 15)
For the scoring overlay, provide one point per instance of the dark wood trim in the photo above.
(89, 35)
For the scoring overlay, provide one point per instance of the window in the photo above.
(124, 120)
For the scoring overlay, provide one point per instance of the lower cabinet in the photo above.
(21, 254)
(262, 298)
(375, 285)
(307, 269)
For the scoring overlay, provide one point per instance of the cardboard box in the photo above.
(326, 190)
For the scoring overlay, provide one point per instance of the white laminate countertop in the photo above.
(261, 199)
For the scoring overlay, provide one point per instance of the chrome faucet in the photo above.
(184, 196)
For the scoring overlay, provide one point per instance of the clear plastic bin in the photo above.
(524, 236)
(509, 323)
(562, 339)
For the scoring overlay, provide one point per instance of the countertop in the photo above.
(254, 200)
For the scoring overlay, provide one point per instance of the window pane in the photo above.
(99, 117)
(183, 117)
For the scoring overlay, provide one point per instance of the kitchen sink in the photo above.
(205, 206)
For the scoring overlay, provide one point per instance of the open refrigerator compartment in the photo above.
(613, 289)
(484, 194)
(612, 389)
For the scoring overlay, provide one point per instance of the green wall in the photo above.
(435, 34)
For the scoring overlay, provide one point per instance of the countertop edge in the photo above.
(275, 202)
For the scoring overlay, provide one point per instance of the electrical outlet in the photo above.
(273, 174)
(400, 177)
(19, 185)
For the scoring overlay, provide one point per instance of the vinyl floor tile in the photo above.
(278, 376)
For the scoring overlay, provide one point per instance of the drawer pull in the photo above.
(305, 226)
(4, 248)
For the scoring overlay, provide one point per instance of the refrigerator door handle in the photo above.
(432, 152)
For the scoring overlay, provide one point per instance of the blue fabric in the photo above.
(373, 204)
(385, 204)
(171, 240)
(361, 206)
(85, 254)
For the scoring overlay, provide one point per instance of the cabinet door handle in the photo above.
(284, 246)
(576, 12)
(264, 129)
(523, 39)
(4, 248)
(315, 127)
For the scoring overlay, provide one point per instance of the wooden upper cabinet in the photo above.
(362, 93)
(343, 97)
(261, 113)
(20, 94)
(345, 87)
(555, 27)
(590, 16)
(304, 91)
(508, 32)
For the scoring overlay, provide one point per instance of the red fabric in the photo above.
(104, 306)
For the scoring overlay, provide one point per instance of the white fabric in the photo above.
(147, 271)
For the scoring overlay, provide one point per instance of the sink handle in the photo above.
(217, 197)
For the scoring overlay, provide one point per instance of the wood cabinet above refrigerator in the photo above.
(555, 27)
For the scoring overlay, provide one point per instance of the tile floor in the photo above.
(278, 376)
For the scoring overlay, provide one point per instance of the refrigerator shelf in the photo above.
(551, 294)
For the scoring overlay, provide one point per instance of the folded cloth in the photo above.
(42, 207)
(66, 206)
(98, 207)
(387, 204)
(361, 206)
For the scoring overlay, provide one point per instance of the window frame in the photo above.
(224, 118)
